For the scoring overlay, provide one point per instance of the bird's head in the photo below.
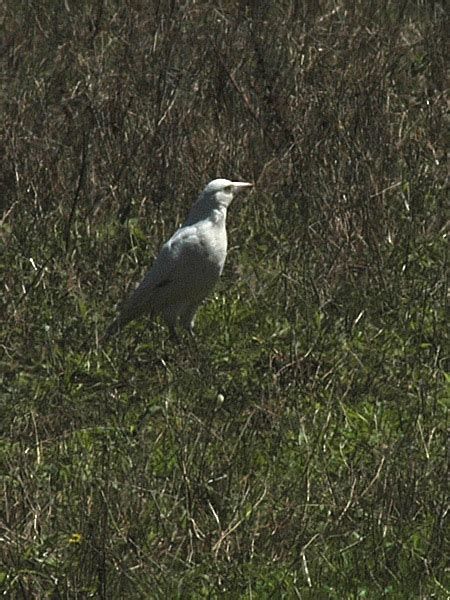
(220, 192)
(215, 199)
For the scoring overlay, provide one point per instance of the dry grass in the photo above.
(300, 449)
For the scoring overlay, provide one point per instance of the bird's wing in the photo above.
(173, 258)
(169, 265)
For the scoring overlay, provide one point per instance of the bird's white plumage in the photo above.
(189, 263)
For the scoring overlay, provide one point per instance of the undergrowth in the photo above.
(297, 448)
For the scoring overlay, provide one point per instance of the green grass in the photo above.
(298, 448)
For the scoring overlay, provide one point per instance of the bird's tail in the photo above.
(135, 306)
(112, 330)
(123, 319)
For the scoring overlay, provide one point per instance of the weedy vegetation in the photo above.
(298, 448)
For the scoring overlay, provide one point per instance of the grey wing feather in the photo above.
(174, 265)
(141, 300)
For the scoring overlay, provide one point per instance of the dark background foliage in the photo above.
(298, 448)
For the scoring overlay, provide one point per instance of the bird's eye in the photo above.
(228, 188)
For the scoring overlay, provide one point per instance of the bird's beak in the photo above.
(240, 185)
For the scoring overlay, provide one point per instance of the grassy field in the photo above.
(298, 448)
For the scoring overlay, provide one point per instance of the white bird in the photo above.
(188, 265)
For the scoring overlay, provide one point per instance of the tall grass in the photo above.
(298, 448)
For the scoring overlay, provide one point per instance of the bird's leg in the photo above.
(187, 319)
(192, 340)
(173, 334)
(191, 331)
